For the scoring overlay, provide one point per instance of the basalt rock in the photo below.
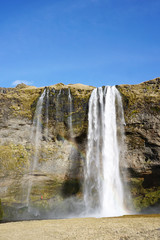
(59, 172)
(142, 114)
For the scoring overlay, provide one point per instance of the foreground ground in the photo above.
(122, 228)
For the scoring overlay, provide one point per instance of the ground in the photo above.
(146, 227)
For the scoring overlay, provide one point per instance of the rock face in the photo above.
(142, 114)
(61, 151)
(62, 148)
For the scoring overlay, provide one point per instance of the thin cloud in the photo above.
(15, 83)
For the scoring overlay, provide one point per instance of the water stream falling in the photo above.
(70, 112)
(46, 114)
(57, 105)
(36, 139)
(37, 128)
(103, 189)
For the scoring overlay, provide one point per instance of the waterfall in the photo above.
(46, 116)
(103, 189)
(70, 113)
(37, 128)
(57, 105)
(36, 139)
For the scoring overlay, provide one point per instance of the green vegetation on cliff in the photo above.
(18, 101)
(1, 211)
(13, 158)
(141, 98)
(59, 173)
(143, 197)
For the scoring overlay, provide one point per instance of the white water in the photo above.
(46, 117)
(103, 189)
(36, 139)
(37, 128)
(57, 105)
(70, 113)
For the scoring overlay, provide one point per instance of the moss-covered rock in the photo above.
(61, 154)
(142, 115)
(1, 211)
(143, 197)
(13, 158)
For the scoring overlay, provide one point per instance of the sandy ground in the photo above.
(122, 228)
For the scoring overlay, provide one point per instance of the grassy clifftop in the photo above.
(141, 98)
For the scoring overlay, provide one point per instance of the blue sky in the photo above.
(93, 42)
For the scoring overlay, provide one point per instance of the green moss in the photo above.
(1, 211)
(20, 101)
(46, 190)
(140, 98)
(134, 112)
(143, 198)
(146, 200)
(14, 158)
(136, 186)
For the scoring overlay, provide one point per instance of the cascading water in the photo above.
(46, 117)
(103, 189)
(36, 139)
(57, 105)
(37, 128)
(70, 112)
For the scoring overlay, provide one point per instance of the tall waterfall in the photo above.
(46, 114)
(37, 128)
(36, 139)
(57, 105)
(70, 113)
(103, 189)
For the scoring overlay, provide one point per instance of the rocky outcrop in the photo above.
(142, 114)
(59, 172)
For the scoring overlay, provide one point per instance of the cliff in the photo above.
(61, 156)
(61, 153)
(142, 114)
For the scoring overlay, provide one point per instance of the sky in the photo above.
(93, 42)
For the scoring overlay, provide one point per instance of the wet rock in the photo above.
(61, 157)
